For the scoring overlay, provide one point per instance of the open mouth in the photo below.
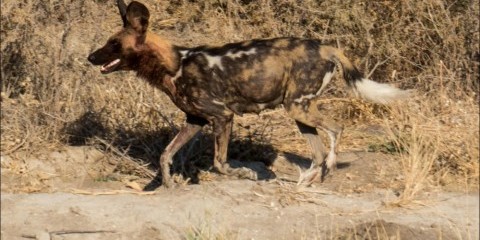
(109, 67)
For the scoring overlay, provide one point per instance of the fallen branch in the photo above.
(65, 232)
(114, 192)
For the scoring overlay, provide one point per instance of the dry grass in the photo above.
(418, 152)
(436, 148)
(380, 229)
(51, 96)
(204, 231)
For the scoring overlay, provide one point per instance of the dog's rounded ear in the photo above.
(122, 8)
(137, 17)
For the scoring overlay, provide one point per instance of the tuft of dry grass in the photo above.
(207, 230)
(418, 151)
(436, 140)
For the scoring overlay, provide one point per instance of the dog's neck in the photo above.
(158, 63)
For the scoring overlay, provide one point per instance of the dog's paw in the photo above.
(245, 173)
(308, 177)
(167, 182)
(331, 161)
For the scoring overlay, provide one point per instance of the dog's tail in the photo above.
(363, 87)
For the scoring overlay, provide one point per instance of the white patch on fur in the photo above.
(326, 80)
(332, 157)
(178, 74)
(214, 61)
(218, 102)
(184, 53)
(379, 92)
(304, 97)
(241, 53)
(262, 106)
(333, 139)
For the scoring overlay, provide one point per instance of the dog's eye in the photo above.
(115, 44)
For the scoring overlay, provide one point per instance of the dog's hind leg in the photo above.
(318, 152)
(193, 126)
(222, 131)
(308, 117)
(334, 132)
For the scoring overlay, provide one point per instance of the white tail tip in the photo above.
(379, 92)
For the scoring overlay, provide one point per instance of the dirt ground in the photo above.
(70, 201)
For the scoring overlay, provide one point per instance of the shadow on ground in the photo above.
(145, 147)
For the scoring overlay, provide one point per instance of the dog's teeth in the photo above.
(113, 63)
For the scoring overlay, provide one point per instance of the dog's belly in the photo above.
(242, 106)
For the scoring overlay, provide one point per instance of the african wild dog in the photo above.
(211, 84)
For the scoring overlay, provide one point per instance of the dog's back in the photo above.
(253, 75)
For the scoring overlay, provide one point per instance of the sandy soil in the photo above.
(71, 203)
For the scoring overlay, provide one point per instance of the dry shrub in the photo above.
(435, 148)
(48, 87)
(418, 150)
(438, 141)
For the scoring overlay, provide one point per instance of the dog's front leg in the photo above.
(222, 131)
(193, 126)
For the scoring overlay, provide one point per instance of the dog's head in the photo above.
(122, 49)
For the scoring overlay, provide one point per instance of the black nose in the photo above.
(91, 58)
